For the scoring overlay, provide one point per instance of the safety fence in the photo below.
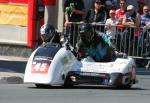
(131, 40)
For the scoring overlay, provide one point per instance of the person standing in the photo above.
(74, 11)
(110, 25)
(96, 15)
(121, 11)
(131, 21)
(145, 37)
(145, 16)
(141, 4)
(131, 17)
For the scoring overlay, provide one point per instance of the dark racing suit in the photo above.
(99, 49)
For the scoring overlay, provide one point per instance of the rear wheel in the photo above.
(68, 82)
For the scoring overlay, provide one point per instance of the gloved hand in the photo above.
(120, 54)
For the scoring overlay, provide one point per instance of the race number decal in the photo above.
(40, 66)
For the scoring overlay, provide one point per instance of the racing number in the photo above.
(40, 67)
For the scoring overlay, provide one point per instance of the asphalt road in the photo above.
(27, 93)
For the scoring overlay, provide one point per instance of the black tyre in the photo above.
(42, 85)
(68, 82)
(127, 86)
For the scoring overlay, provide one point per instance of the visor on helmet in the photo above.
(87, 33)
(47, 32)
(87, 36)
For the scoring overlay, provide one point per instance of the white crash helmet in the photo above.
(47, 32)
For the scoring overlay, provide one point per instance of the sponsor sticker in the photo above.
(40, 66)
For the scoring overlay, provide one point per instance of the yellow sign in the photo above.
(13, 14)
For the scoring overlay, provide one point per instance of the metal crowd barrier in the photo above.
(131, 40)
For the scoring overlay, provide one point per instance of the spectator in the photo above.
(110, 24)
(110, 27)
(88, 4)
(121, 11)
(108, 6)
(115, 4)
(141, 4)
(74, 12)
(131, 17)
(145, 37)
(96, 15)
(145, 17)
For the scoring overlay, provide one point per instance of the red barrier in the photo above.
(32, 18)
(49, 2)
(32, 13)
(15, 1)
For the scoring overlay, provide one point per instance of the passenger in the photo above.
(95, 45)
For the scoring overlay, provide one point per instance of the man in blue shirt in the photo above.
(145, 17)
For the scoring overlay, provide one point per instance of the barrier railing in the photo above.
(132, 40)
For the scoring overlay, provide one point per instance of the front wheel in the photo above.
(127, 86)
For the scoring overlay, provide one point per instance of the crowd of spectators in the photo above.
(108, 12)
(75, 12)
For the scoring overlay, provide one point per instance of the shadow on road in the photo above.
(86, 87)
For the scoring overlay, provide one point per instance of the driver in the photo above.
(95, 45)
(49, 34)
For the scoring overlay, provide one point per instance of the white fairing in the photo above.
(55, 70)
(120, 65)
(61, 64)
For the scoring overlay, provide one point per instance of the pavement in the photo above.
(12, 69)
